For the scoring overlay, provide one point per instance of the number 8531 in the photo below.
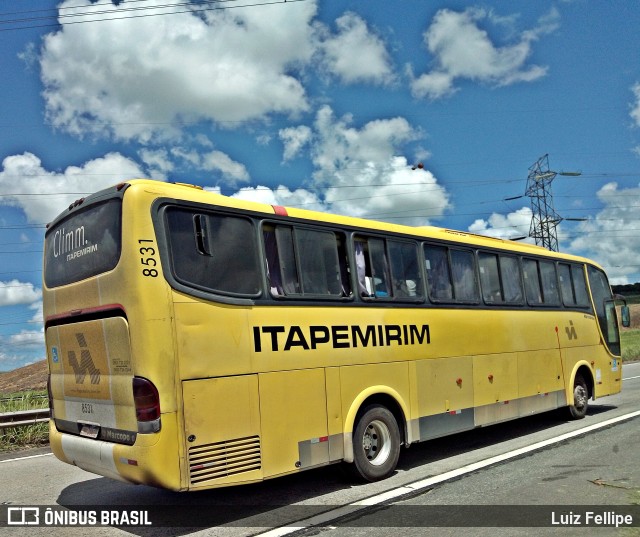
(148, 260)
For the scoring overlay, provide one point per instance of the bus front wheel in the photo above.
(376, 444)
(578, 409)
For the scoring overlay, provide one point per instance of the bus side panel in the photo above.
(222, 430)
(539, 372)
(362, 381)
(293, 415)
(445, 396)
(495, 382)
(212, 339)
(541, 381)
(334, 413)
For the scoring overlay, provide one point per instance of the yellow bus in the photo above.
(196, 340)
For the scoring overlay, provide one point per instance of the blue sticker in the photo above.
(54, 354)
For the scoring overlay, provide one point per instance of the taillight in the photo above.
(147, 402)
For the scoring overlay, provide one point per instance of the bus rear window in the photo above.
(86, 244)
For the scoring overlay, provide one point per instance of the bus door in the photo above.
(608, 371)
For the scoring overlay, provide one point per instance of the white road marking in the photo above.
(28, 457)
(324, 518)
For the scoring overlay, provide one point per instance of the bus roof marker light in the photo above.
(280, 210)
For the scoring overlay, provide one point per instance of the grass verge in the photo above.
(34, 435)
(630, 340)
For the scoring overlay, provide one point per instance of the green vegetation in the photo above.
(27, 436)
(630, 340)
(23, 401)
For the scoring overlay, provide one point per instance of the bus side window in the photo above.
(500, 278)
(274, 272)
(566, 285)
(549, 283)
(318, 259)
(373, 268)
(363, 268)
(464, 276)
(490, 278)
(380, 268)
(343, 261)
(305, 262)
(580, 286)
(203, 249)
(511, 279)
(438, 274)
(405, 271)
(287, 260)
(532, 285)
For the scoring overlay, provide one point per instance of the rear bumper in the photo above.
(154, 459)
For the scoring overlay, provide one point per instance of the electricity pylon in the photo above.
(544, 218)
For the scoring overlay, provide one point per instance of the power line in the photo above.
(23, 23)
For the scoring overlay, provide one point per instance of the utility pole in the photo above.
(544, 218)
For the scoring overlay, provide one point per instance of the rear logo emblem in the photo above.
(85, 365)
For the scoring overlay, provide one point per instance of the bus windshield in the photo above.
(83, 245)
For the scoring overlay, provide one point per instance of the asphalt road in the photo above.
(595, 467)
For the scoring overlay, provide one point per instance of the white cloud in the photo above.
(191, 156)
(141, 78)
(43, 194)
(433, 85)
(158, 161)
(339, 147)
(27, 338)
(361, 171)
(282, 195)
(463, 50)
(509, 226)
(16, 292)
(294, 139)
(635, 110)
(355, 54)
(611, 238)
(231, 170)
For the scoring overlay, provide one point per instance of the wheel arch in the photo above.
(580, 368)
(375, 395)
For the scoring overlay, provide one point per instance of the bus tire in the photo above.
(376, 444)
(578, 409)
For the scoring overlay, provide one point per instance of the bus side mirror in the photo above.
(626, 316)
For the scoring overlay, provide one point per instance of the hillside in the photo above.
(30, 377)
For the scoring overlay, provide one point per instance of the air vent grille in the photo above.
(223, 459)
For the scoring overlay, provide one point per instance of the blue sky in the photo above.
(323, 105)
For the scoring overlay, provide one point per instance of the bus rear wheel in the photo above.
(376, 444)
(578, 409)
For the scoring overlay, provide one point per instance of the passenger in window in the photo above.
(381, 288)
(406, 288)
